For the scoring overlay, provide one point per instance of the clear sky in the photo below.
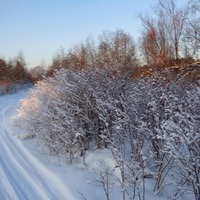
(39, 28)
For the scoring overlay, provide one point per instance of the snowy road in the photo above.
(22, 176)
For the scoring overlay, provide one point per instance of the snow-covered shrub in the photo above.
(61, 112)
(183, 144)
(32, 109)
(172, 124)
(104, 177)
(151, 126)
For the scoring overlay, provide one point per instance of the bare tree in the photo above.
(38, 73)
(4, 72)
(116, 49)
(175, 21)
(192, 33)
(154, 42)
(163, 36)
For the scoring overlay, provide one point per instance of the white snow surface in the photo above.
(26, 174)
(22, 175)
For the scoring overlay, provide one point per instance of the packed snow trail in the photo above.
(22, 176)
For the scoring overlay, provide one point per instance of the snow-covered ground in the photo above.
(22, 175)
(26, 173)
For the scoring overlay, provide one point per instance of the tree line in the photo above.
(14, 70)
(169, 36)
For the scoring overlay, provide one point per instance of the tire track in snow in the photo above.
(6, 190)
(17, 175)
(15, 171)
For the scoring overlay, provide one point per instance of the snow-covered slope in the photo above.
(22, 176)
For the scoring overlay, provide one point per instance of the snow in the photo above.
(26, 173)
(22, 175)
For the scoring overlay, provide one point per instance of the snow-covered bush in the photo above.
(183, 144)
(151, 126)
(61, 112)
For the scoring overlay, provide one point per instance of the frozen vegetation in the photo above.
(141, 138)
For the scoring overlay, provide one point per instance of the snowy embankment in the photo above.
(26, 174)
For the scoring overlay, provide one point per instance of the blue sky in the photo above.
(39, 28)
